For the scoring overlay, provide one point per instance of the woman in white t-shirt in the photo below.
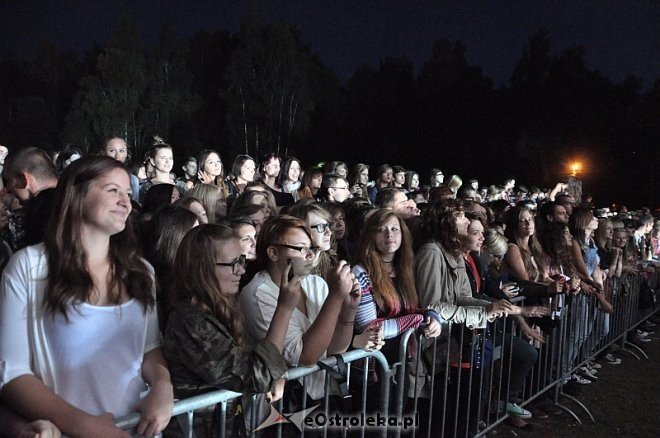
(78, 330)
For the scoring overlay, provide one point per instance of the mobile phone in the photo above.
(301, 267)
(515, 289)
(291, 273)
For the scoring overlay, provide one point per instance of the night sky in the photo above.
(621, 37)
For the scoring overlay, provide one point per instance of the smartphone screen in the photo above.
(301, 267)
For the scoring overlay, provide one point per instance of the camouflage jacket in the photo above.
(203, 356)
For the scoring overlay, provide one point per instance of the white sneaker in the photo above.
(587, 373)
(580, 380)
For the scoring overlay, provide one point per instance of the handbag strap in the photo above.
(340, 375)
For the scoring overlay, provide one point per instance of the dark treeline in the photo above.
(262, 90)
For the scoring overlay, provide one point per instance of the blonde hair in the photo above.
(208, 195)
(496, 243)
(455, 183)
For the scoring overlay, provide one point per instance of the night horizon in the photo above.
(606, 48)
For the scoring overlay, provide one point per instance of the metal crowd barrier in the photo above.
(466, 393)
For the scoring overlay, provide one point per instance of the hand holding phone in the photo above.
(511, 290)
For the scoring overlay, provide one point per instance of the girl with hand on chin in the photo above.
(205, 344)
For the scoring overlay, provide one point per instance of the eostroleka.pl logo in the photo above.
(277, 417)
(338, 421)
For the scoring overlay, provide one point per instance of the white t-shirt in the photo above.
(93, 362)
(258, 301)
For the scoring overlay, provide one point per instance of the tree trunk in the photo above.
(279, 123)
(245, 130)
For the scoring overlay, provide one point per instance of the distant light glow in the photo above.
(576, 167)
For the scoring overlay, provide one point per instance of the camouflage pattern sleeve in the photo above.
(202, 355)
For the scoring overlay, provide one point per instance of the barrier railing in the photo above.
(467, 392)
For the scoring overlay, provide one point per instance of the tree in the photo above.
(168, 99)
(110, 101)
(269, 97)
(208, 60)
(457, 111)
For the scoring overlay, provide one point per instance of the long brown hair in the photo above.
(512, 219)
(195, 278)
(385, 293)
(439, 224)
(68, 275)
(578, 223)
(600, 236)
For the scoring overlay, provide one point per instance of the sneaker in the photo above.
(594, 366)
(580, 380)
(586, 373)
(609, 358)
(641, 333)
(518, 411)
(649, 324)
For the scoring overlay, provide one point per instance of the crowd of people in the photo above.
(124, 288)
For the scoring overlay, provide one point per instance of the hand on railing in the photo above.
(587, 288)
(40, 429)
(529, 333)
(276, 391)
(499, 309)
(530, 311)
(629, 269)
(604, 304)
(370, 340)
(558, 286)
(155, 410)
(575, 285)
(432, 328)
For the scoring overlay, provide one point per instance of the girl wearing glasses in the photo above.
(79, 336)
(205, 345)
(323, 319)
(319, 221)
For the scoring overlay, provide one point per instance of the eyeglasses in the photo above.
(320, 228)
(236, 265)
(339, 188)
(303, 250)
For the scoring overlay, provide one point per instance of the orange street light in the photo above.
(576, 166)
